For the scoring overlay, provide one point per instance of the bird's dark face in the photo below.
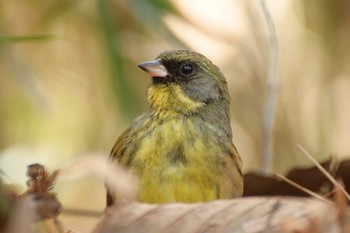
(184, 81)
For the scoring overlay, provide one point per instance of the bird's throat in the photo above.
(168, 98)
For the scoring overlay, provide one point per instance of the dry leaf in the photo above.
(238, 215)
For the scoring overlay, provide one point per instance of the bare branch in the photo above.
(271, 98)
(331, 179)
(308, 191)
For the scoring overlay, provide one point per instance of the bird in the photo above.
(181, 150)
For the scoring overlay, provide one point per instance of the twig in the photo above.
(308, 191)
(271, 98)
(330, 178)
(82, 213)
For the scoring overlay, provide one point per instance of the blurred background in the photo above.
(69, 84)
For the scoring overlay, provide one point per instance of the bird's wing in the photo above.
(119, 146)
(236, 157)
(234, 181)
(116, 156)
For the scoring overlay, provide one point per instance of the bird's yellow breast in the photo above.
(178, 160)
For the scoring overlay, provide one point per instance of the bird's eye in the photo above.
(187, 69)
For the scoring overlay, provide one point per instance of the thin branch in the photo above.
(82, 213)
(330, 178)
(271, 98)
(305, 190)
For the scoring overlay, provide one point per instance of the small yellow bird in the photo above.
(182, 150)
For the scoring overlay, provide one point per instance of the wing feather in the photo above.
(234, 180)
(116, 155)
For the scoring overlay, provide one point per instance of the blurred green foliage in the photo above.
(119, 77)
(27, 38)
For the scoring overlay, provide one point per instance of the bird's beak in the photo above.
(154, 68)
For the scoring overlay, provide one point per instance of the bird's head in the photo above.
(185, 82)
